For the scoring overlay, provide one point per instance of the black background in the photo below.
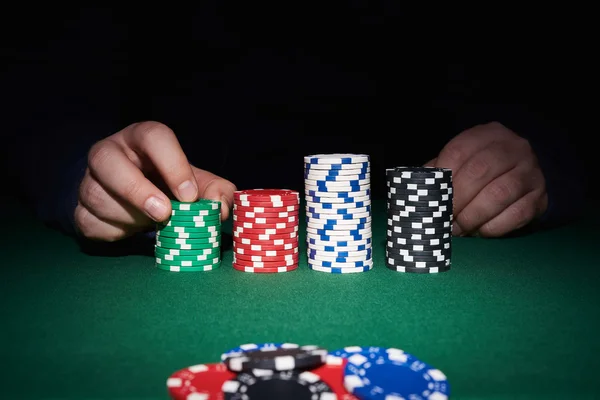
(250, 89)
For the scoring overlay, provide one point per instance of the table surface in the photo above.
(514, 318)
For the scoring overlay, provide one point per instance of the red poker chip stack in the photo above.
(265, 230)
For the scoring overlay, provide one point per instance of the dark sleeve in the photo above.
(530, 102)
(67, 90)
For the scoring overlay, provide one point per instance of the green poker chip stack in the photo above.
(190, 241)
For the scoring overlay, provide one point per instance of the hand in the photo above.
(117, 196)
(498, 184)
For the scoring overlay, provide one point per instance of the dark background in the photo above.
(251, 89)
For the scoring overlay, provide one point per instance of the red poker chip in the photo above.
(266, 195)
(295, 207)
(262, 204)
(284, 244)
(267, 264)
(251, 225)
(264, 270)
(265, 253)
(332, 373)
(283, 236)
(199, 380)
(265, 231)
(260, 258)
(284, 249)
(285, 214)
(266, 220)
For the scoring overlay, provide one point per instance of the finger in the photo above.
(117, 174)
(463, 146)
(94, 228)
(516, 216)
(495, 198)
(215, 188)
(482, 168)
(160, 146)
(107, 207)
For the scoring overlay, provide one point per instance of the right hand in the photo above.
(117, 196)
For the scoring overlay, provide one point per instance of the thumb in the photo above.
(213, 187)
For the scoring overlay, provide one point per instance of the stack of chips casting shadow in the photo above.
(265, 230)
(293, 372)
(419, 231)
(338, 212)
(190, 241)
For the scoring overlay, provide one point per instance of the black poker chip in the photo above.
(402, 238)
(419, 172)
(399, 259)
(408, 185)
(418, 224)
(402, 193)
(436, 203)
(428, 233)
(279, 358)
(423, 270)
(420, 215)
(413, 209)
(394, 263)
(411, 246)
(406, 251)
(277, 385)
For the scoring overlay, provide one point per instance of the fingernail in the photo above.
(187, 191)
(156, 208)
(456, 231)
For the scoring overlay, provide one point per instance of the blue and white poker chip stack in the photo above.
(338, 212)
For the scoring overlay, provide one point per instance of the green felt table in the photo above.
(514, 318)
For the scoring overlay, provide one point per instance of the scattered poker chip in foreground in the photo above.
(190, 241)
(265, 230)
(350, 373)
(381, 374)
(338, 213)
(419, 225)
(203, 381)
(278, 357)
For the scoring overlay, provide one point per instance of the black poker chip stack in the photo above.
(419, 212)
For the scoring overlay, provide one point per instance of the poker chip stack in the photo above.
(338, 212)
(190, 241)
(419, 228)
(265, 230)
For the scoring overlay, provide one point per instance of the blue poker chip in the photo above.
(348, 196)
(328, 206)
(338, 253)
(328, 238)
(365, 261)
(340, 243)
(363, 168)
(340, 270)
(359, 247)
(334, 177)
(363, 220)
(326, 232)
(383, 373)
(343, 216)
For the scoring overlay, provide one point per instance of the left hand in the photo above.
(498, 184)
